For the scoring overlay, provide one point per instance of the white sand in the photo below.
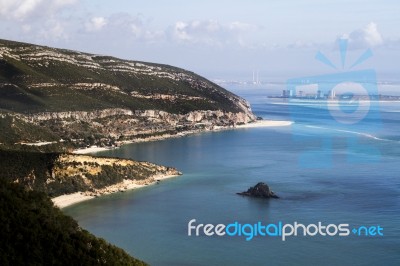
(70, 199)
(91, 150)
(38, 143)
(67, 200)
(259, 123)
(266, 123)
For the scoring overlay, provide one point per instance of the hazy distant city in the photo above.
(388, 90)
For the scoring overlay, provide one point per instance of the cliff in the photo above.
(53, 100)
(57, 174)
(88, 99)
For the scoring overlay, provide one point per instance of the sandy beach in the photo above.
(266, 123)
(92, 149)
(70, 199)
(259, 123)
(40, 143)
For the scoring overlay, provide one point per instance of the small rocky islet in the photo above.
(261, 190)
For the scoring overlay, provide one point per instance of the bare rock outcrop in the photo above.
(261, 190)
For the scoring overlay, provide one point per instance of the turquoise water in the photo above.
(151, 223)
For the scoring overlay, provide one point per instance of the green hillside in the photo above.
(33, 232)
(79, 99)
(38, 79)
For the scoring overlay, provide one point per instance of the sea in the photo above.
(327, 171)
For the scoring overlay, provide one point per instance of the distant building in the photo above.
(320, 94)
(285, 93)
(332, 94)
(256, 80)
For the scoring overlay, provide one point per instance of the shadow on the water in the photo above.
(303, 196)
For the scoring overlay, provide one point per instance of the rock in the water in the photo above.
(261, 190)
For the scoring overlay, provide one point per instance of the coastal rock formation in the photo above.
(261, 190)
(48, 94)
(58, 174)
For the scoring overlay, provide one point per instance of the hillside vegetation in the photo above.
(33, 232)
(56, 174)
(55, 100)
(42, 79)
(80, 99)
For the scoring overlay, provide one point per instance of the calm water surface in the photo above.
(151, 223)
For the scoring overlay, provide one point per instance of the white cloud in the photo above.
(124, 27)
(180, 31)
(211, 32)
(139, 30)
(131, 27)
(371, 35)
(27, 9)
(55, 20)
(367, 37)
(95, 24)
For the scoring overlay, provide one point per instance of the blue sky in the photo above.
(219, 39)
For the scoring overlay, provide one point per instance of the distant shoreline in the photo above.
(266, 123)
(256, 124)
(71, 199)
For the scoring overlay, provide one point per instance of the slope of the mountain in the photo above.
(33, 232)
(84, 96)
(58, 174)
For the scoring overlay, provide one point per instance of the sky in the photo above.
(219, 39)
